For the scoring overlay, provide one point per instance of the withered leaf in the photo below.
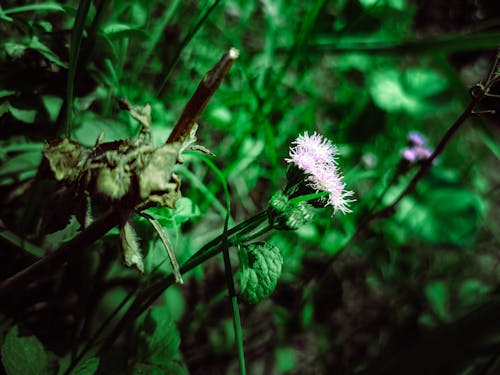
(157, 174)
(131, 251)
(65, 159)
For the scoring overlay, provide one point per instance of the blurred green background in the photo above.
(413, 293)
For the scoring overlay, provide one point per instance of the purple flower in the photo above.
(416, 139)
(416, 154)
(315, 156)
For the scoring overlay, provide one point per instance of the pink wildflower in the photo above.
(416, 139)
(315, 156)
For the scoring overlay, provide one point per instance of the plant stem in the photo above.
(53, 261)
(152, 292)
(205, 90)
(238, 335)
(74, 53)
(424, 168)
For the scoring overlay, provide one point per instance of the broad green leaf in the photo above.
(184, 211)
(23, 355)
(285, 359)
(53, 106)
(423, 82)
(21, 163)
(25, 115)
(261, 268)
(388, 93)
(445, 213)
(471, 290)
(158, 344)
(411, 91)
(5, 93)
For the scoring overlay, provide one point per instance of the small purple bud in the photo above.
(416, 139)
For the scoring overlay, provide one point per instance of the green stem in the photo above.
(76, 39)
(234, 299)
(152, 292)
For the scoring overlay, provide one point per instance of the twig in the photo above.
(205, 90)
(69, 250)
(481, 92)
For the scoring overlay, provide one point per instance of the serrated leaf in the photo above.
(23, 355)
(261, 268)
(158, 342)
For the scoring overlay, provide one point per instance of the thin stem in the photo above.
(205, 90)
(99, 331)
(424, 167)
(71, 249)
(184, 43)
(256, 234)
(234, 298)
(152, 292)
(76, 39)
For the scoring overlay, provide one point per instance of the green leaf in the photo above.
(47, 52)
(25, 115)
(443, 212)
(23, 162)
(158, 345)
(86, 367)
(185, 210)
(53, 105)
(437, 294)
(43, 7)
(23, 355)
(423, 83)
(396, 4)
(285, 359)
(5, 93)
(411, 91)
(261, 268)
(121, 30)
(471, 290)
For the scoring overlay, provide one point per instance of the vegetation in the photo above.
(223, 187)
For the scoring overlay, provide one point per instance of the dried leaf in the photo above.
(131, 252)
(157, 174)
(65, 159)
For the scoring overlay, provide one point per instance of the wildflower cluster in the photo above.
(416, 150)
(315, 158)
